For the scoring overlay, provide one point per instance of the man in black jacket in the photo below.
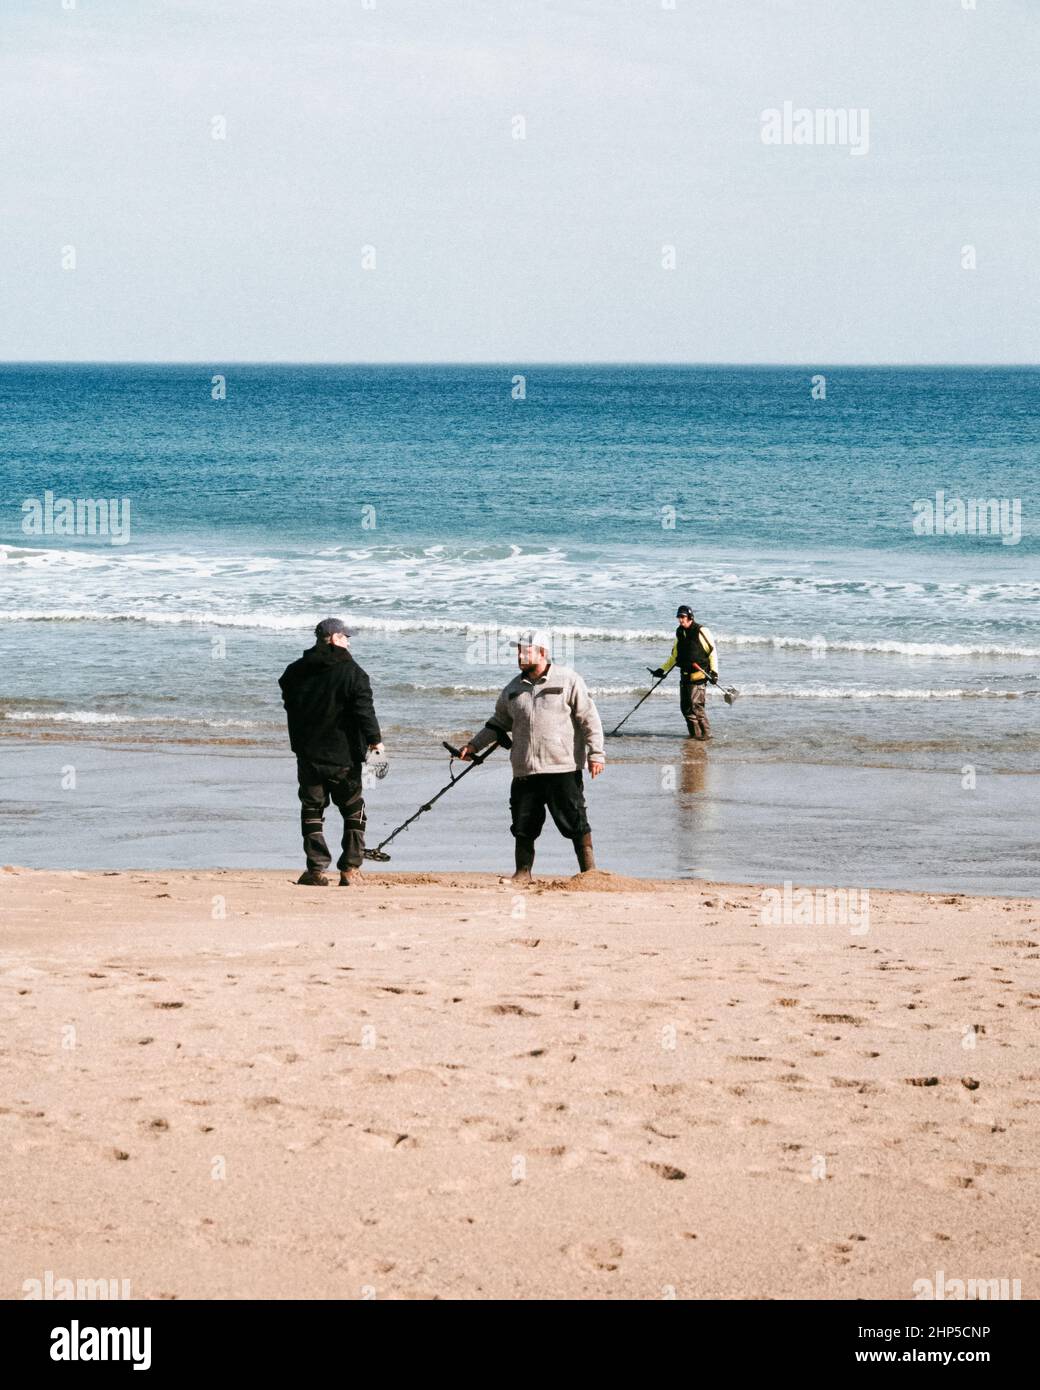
(332, 724)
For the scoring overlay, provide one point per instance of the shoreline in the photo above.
(224, 1086)
(598, 881)
(691, 818)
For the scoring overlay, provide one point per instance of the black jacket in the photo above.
(328, 703)
(690, 649)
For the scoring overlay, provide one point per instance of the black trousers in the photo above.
(320, 784)
(694, 706)
(561, 793)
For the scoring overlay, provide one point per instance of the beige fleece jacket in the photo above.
(553, 722)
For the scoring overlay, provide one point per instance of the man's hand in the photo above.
(658, 675)
(595, 768)
(465, 752)
(376, 748)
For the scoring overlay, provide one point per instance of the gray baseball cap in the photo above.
(328, 627)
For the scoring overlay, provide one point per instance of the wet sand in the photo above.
(698, 813)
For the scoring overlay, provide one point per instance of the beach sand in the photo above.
(219, 1085)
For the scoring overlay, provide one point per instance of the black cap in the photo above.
(683, 612)
(328, 627)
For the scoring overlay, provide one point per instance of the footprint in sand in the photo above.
(668, 1171)
(604, 1256)
(661, 1133)
(386, 1139)
(261, 1102)
(953, 1182)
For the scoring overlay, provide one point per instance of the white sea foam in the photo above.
(399, 572)
(94, 718)
(463, 689)
(87, 716)
(847, 692)
(882, 646)
(303, 623)
(760, 691)
(200, 566)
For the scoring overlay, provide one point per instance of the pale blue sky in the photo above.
(392, 127)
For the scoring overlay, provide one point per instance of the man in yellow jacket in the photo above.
(694, 652)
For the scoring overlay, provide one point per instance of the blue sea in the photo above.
(888, 725)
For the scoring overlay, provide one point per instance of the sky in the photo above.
(642, 216)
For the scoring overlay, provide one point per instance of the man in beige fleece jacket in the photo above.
(556, 731)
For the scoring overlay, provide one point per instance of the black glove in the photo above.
(658, 675)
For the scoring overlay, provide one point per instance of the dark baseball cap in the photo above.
(328, 627)
(683, 611)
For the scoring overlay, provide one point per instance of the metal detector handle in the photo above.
(474, 762)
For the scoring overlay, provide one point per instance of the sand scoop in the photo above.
(729, 694)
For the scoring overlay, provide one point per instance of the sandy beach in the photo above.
(219, 1085)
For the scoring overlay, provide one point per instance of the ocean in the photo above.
(881, 629)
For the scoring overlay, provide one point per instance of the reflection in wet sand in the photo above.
(696, 809)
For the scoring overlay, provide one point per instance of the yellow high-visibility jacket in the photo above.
(713, 662)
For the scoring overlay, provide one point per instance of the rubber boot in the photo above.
(524, 859)
(583, 849)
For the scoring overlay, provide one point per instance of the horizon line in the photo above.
(488, 362)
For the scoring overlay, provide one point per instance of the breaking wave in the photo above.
(303, 623)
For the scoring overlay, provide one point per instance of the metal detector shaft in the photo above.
(377, 851)
(632, 711)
